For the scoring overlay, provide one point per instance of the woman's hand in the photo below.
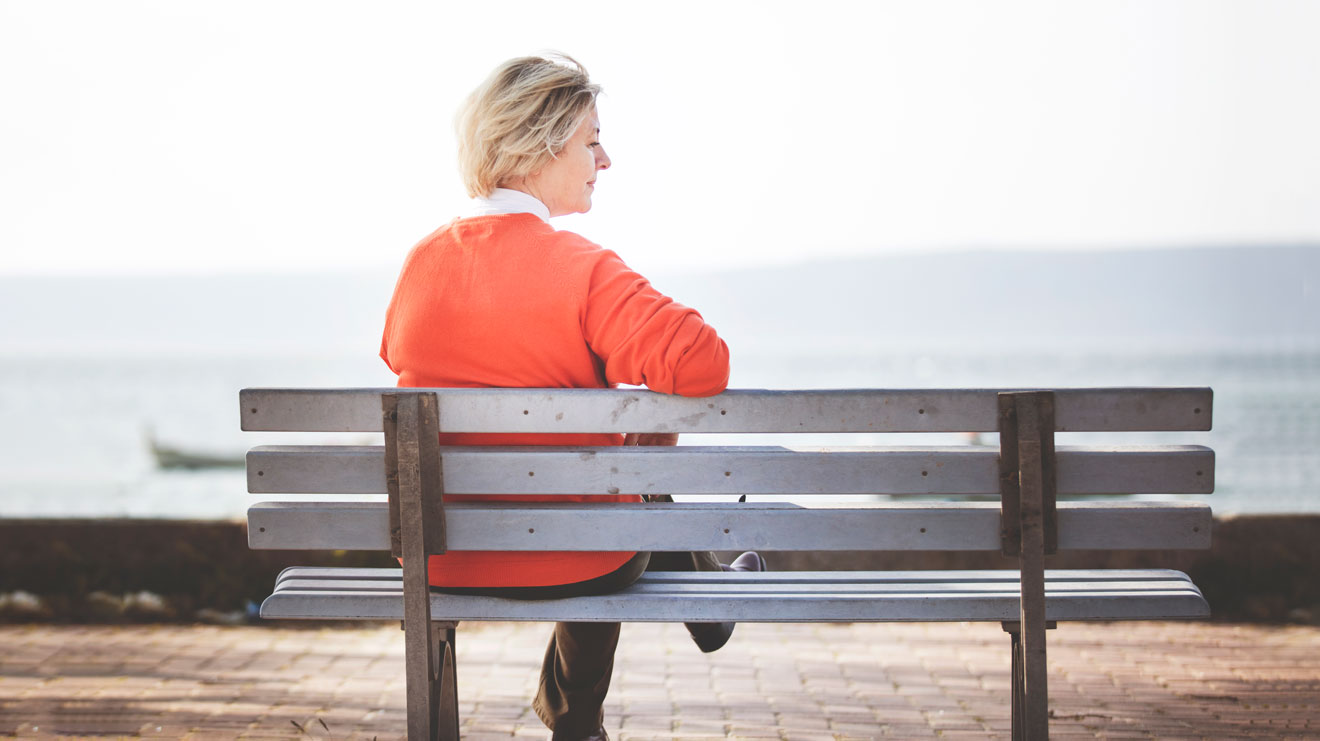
(651, 438)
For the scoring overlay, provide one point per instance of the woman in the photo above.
(501, 299)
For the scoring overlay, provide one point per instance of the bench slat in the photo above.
(953, 470)
(718, 526)
(1069, 596)
(790, 590)
(998, 576)
(737, 411)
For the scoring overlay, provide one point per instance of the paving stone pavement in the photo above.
(810, 682)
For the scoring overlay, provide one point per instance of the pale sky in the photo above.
(249, 136)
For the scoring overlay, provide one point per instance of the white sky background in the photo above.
(248, 136)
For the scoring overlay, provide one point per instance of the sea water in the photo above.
(76, 425)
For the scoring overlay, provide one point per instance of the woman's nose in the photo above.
(602, 159)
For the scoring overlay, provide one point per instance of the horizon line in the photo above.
(712, 267)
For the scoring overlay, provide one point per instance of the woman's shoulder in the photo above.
(523, 238)
(584, 256)
(519, 228)
(555, 245)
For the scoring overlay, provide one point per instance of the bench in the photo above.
(1023, 497)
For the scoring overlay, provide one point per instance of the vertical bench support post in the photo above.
(415, 479)
(1029, 531)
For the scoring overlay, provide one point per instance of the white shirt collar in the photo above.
(509, 201)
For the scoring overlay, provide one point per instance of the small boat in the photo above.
(174, 458)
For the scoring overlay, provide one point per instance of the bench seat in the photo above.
(799, 596)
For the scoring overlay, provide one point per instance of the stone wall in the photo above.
(1260, 568)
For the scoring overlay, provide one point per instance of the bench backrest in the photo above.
(1026, 472)
(966, 473)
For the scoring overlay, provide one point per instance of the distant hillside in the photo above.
(1194, 295)
(1015, 297)
(221, 313)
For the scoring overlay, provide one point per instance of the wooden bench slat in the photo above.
(760, 470)
(920, 575)
(769, 608)
(1004, 576)
(606, 410)
(1068, 596)
(788, 590)
(720, 526)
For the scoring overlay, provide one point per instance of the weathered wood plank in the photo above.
(1059, 578)
(793, 590)
(954, 470)
(620, 410)
(716, 526)
(411, 421)
(1033, 422)
(1068, 597)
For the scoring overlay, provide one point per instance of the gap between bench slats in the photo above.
(717, 526)
(737, 411)
(954, 470)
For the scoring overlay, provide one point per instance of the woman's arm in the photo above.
(646, 338)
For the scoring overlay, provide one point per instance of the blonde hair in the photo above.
(520, 118)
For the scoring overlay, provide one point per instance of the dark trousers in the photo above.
(575, 675)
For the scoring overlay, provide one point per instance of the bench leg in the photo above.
(433, 685)
(1027, 492)
(1031, 715)
(444, 686)
(415, 478)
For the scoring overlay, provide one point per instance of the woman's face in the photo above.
(566, 183)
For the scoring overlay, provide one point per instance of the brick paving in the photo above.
(810, 682)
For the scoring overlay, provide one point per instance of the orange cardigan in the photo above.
(507, 301)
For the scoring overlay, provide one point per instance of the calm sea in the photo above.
(74, 442)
